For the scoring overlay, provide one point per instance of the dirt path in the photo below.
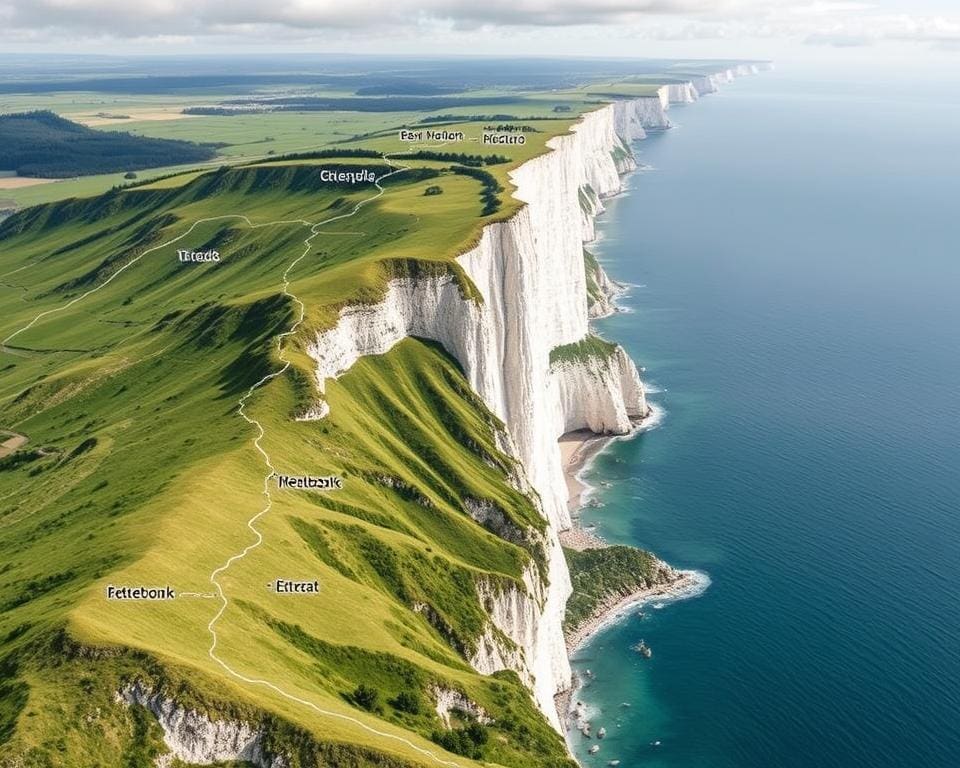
(12, 442)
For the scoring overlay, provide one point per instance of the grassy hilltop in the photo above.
(138, 470)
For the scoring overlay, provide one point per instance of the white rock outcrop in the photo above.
(447, 700)
(515, 615)
(574, 386)
(194, 738)
(634, 117)
(704, 84)
(604, 293)
(530, 272)
(682, 93)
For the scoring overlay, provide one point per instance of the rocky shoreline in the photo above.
(676, 584)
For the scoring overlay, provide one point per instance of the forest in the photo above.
(45, 145)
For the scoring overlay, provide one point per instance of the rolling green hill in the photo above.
(139, 470)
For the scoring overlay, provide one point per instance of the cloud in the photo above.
(837, 23)
(174, 16)
(825, 9)
(837, 40)
(937, 31)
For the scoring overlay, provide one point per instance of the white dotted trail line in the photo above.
(315, 230)
(268, 498)
(134, 260)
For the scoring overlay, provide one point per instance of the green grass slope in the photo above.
(139, 470)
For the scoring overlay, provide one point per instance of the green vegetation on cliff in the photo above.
(592, 271)
(138, 470)
(607, 573)
(589, 349)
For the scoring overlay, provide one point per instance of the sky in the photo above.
(895, 32)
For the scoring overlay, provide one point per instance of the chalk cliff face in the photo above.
(704, 84)
(573, 385)
(682, 93)
(194, 738)
(530, 273)
(634, 117)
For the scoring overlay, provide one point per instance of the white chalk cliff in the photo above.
(530, 272)
(194, 738)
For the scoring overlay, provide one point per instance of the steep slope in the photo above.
(529, 272)
(120, 485)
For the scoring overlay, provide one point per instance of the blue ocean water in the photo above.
(795, 252)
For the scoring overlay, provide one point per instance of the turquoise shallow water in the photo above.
(798, 304)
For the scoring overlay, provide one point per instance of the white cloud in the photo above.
(838, 40)
(122, 15)
(817, 22)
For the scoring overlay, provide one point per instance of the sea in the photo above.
(792, 253)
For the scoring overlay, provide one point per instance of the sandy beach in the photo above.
(576, 451)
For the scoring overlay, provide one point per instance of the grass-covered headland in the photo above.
(603, 575)
(139, 471)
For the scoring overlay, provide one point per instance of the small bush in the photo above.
(433, 190)
(409, 702)
(463, 741)
(366, 697)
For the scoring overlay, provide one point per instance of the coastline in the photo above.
(578, 449)
(685, 584)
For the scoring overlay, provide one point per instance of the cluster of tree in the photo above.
(508, 128)
(367, 697)
(466, 118)
(45, 145)
(463, 158)
(467, 741)
(491, 187)
(433, 189)
(320, 154)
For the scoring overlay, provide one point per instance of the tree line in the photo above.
(44, 145)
